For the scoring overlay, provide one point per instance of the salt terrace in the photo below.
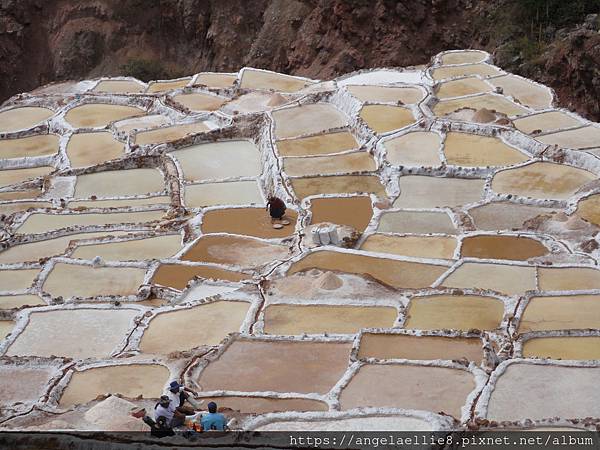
(457, 285)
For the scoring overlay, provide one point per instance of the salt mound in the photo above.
(113, 414)
(484, 115)
(328, 281)
(276, 100)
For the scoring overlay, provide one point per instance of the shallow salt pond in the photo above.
(219, 160)
(589, 209)
(444, 72)
(419, 191)
(162, 200)
(6, 326)
(17, 280)
(98, 115)
(236, 250)
(526, 92)
(317, 145)
(463, 57)
(88, 149)
(414, 149)
(327, 165)
(10, 208)
(178, 275)
(197, 101)
(384, 118)
(88, 281)
(422, 388)
(416, 222)
(39, 145)
(20, 195)
(118, 183)
(441, 247)
(229, 193)
(502, 247)
(307, 119)
(246, 221)
(263, 405)
(23, 118)
(471, 150)
(545, 121)
(464, 86)
(140, 123)
(398, 274)
(35, 378)
(169, 134)
(18, 301)
(579, 138)
(458, 312)
(352, 211)
(405, 346)
(119, 87)
(176, 331)
(254, 102)
(489, 101)
(278, 366)
(571, 347)
(337, 184)
(568, 278)
(258, 79)
(542, 180)
(168, 85)
(529, 391)
(319, 319)
(497, 277)
(561, 313)
(505, 215)
(138, 249)
(216, 80)
(77, 333)
(131, 380)
(386, 94)
(13, 176)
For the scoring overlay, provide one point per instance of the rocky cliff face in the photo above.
(43, 41)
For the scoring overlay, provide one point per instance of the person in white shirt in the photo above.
(179, 394)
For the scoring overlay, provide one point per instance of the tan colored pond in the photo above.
(10, 208)
(198, 101)
(471, 150)
(528, 93)
(405, 346)
(138, 249)
(88, 281)
(317, 145)
(174, 331)
(13, 176)
(502, 247)
(254, 102)
(422, 388)
(140, 123)
(497, 277)
(589, 209)
(246, 221)
(236, 250)
(17, 280)
(319, 319)
(505, 215)
(119, 87)
(561, 313)
(95, 115)
(35, 378)
(542, 180)
(219, 160)
(39, 145)
(230, 193)
(419, 191)
(384, 118)
(572, 347)
(579, 138)
(528, 391)
(418, 246)
(463, 86)
(177, 276)
(121, 203)
(307, 119)
(168, 85)
(117, 183)
(33, 251)
(23, 118)
(463, 57)
(338, 184)
(131, 381)
(76, 333)
(216, 80)
(18, 301)
(568, 278)
(258, 79)
(169, 134)
(545, 121)
(485, 70)
(399, 274)
(6, 327)
(327, 165)
(488, 101)
(414, 149)
(263, 405)
(42, 222)
(416, 222)
(283, 366)
(19, 195)
(386, 94)
(458, 312)
(88, 149)
(353, 211)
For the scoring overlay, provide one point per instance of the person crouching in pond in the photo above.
(276, 208)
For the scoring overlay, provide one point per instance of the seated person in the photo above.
(213, 421)
(165, 408)
(179, 394)
(159, 428)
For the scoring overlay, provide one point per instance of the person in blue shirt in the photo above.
(213, 421)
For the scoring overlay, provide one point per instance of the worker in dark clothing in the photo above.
(276, 208)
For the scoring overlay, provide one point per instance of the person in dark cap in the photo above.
(179, 394)
(213, 421)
